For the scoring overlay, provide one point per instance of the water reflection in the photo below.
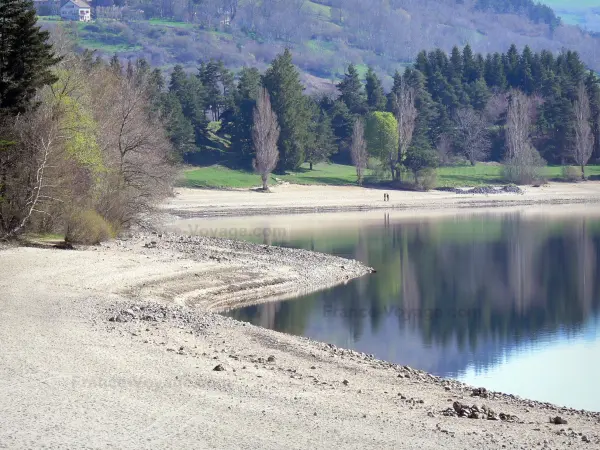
(461, 297)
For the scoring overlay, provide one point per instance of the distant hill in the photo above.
(585, 13)
(325, 35)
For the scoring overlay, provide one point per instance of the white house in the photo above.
(76, 10)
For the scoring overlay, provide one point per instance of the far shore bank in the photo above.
(300, 199)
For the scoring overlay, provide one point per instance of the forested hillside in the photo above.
(325, 35)
(448, 108)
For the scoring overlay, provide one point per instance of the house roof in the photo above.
(79, 3)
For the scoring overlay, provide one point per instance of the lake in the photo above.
(505, 300)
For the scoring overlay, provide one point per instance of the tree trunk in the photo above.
(265, 182)
(398, 174)
(583, 172)
(310, 164)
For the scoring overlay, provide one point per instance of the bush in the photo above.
(89, 228)
(525, 168)
(571, 173)
(426, 179)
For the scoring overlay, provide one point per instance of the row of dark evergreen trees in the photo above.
(314, 128)
(464, 79)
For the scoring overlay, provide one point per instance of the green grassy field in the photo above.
(483, 174)
(340, 175)
(222, 177)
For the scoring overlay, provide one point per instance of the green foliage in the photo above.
(223, 177)
(381, 133)
(376, 100)
(426, 179)
(351, 91)
(321, 138)
(218, 86)
(282, 80)
(191, 94)
(89, 228)
(237, 121)
(525, 168)
(420, 157)
(26, 56)
(571, 173)
(179, 128)
(467, 80)
(77, 121)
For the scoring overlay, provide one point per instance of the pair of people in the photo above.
(386, 197)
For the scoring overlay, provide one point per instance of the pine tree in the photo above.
(179, 128)
(282, 80)
(351, 91)
(191, 95)
(342, 123)
(209, 76)
(322, 140)
(237, 121)
(26, 56)
(376, 100)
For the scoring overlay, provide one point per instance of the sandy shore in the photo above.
(288, 199)
(116, 346)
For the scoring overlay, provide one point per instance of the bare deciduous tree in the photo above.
(135, 146)
(358, 150)
(406, 115)
(584, 140)
(265, 134)
(472, 134)
(444, 149)
(522, 161)
(496, 106)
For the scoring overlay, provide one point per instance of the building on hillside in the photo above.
(77, 10)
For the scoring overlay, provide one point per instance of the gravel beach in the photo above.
(121, 346)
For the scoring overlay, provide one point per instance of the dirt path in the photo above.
(115, 347)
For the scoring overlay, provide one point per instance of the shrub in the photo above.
(89, 228)
(571, 173)
(426, 179)
(525, 168)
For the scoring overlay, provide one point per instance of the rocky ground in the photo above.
(118, 346)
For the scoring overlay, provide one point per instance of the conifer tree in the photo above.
(376, 100)
(282, 80)
(351, 91)
(26, 56)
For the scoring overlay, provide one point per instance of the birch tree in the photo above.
(265, 134)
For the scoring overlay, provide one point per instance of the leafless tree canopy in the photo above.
(522, 160)
(472, 134)
(91, 148)
(265, 134)
(583, 145)
(406, 113)
(518, 124)
(444, 149)
(358, 150)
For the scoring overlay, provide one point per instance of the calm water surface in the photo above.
(509, 302)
